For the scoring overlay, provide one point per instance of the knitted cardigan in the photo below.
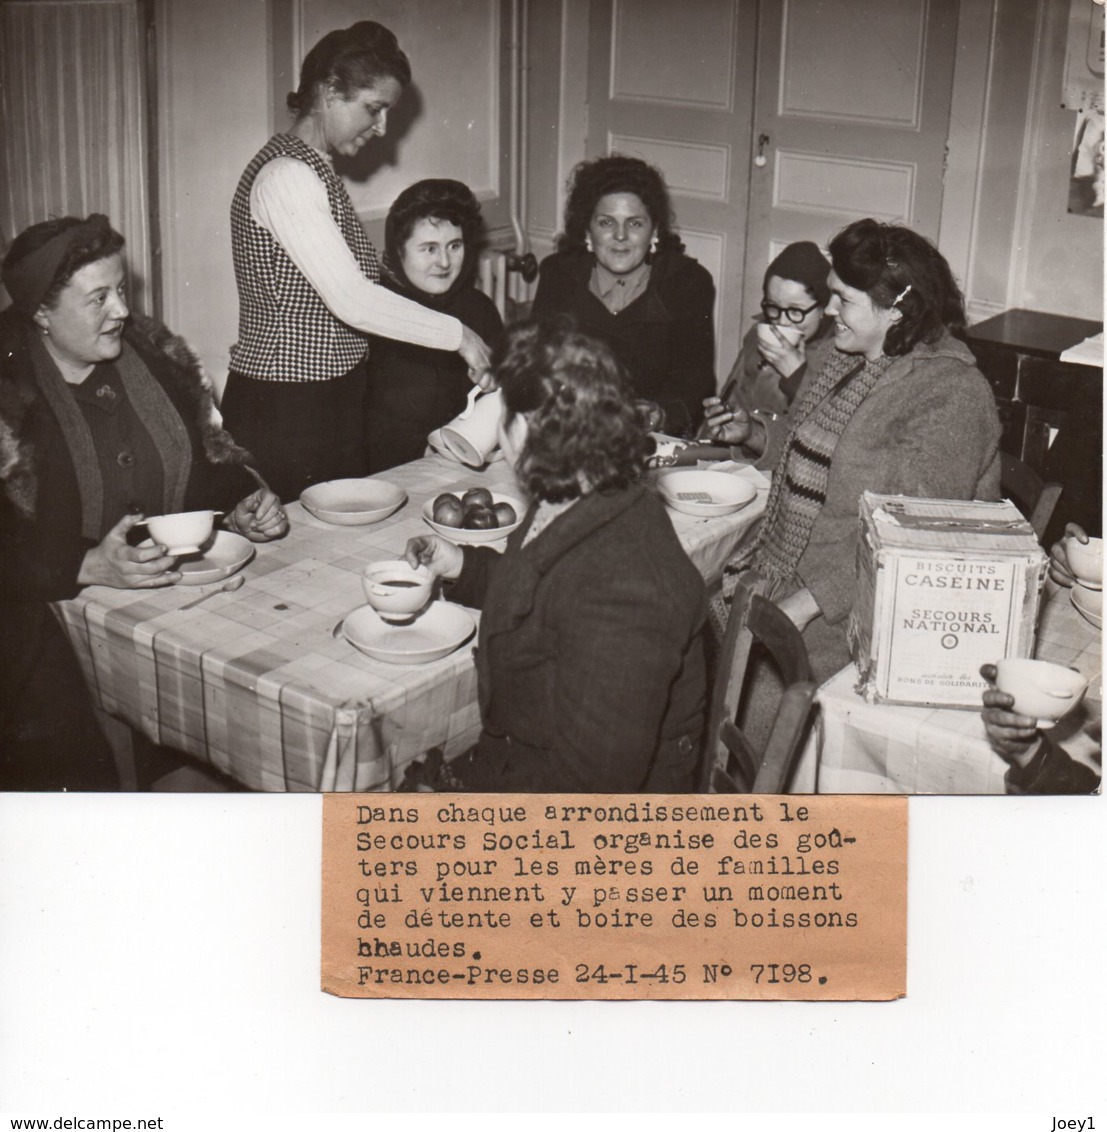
(929, 428)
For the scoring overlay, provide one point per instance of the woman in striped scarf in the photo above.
(897, 406)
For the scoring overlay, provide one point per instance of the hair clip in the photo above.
(896, 300)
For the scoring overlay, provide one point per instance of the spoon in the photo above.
(227, 587)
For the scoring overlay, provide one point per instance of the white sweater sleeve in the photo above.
(289, 201)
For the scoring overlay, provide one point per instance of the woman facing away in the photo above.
(432, 241)
(621, 272)
(897, 407)
(590, 659)
(307, 274)
(104, 417)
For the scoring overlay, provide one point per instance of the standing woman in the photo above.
(307, 274)
(621, 272)
(431, 244)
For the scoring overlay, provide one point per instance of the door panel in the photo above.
(674, 86)
(852, 104)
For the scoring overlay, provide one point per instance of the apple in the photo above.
(505, 514)
(477, 495)
(447, 511)
(479, 518)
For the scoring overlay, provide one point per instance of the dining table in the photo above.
(260, 683)
(859, 747)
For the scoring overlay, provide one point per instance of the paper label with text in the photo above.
(566, 896)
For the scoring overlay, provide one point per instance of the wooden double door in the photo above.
(776, 121)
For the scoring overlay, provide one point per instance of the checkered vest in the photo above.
(285, 331)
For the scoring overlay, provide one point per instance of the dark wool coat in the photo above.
(590, 660)
(665, 338)
(415, 389)
(41, 545)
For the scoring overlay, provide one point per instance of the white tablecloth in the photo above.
(863, 748)
(253, 681)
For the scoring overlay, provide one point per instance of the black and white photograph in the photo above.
(552, 397)
(438, 441)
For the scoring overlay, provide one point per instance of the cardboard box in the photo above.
(943, 587)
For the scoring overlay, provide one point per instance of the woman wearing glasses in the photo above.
(793, 325)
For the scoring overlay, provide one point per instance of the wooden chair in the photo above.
(731, 764)
(1025, 488)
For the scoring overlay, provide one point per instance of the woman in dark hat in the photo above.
(793, 323)
(104, 417)
(432, 241)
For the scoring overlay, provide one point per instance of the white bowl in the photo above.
(441, 629)
(396, 590)
(1042, 690)
(1086, 561)
(682, 489)
(466, 537)
(183, 532)
(353, 503)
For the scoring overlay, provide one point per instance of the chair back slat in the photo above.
(731, 763)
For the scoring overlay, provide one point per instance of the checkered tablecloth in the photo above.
(863, 748)
(254, 682)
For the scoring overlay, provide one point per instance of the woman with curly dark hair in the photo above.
(432, 239)
(590, 663)
(621, 272)
(897, 407)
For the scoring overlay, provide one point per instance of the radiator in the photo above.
(502, 275)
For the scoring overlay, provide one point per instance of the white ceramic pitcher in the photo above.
(471, 436)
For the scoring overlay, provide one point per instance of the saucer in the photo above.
(434, 633)
(1089, 615)
(223, 556)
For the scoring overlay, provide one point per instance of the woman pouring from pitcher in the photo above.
(308, 276)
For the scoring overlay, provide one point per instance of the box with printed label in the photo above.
(943, 587)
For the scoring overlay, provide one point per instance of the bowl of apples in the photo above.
(475, 516)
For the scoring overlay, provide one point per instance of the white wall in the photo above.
(214, 111)
(1005, 228)
(1057, 258)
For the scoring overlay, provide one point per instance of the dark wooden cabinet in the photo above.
(1018, 352)
(1051, 411)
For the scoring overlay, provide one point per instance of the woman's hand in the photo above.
(260, 517)
(474, 350)
(725, 424)
(1013, 736)
(115, 563)
(441, 558)
(1059, 560)
(780, 353)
